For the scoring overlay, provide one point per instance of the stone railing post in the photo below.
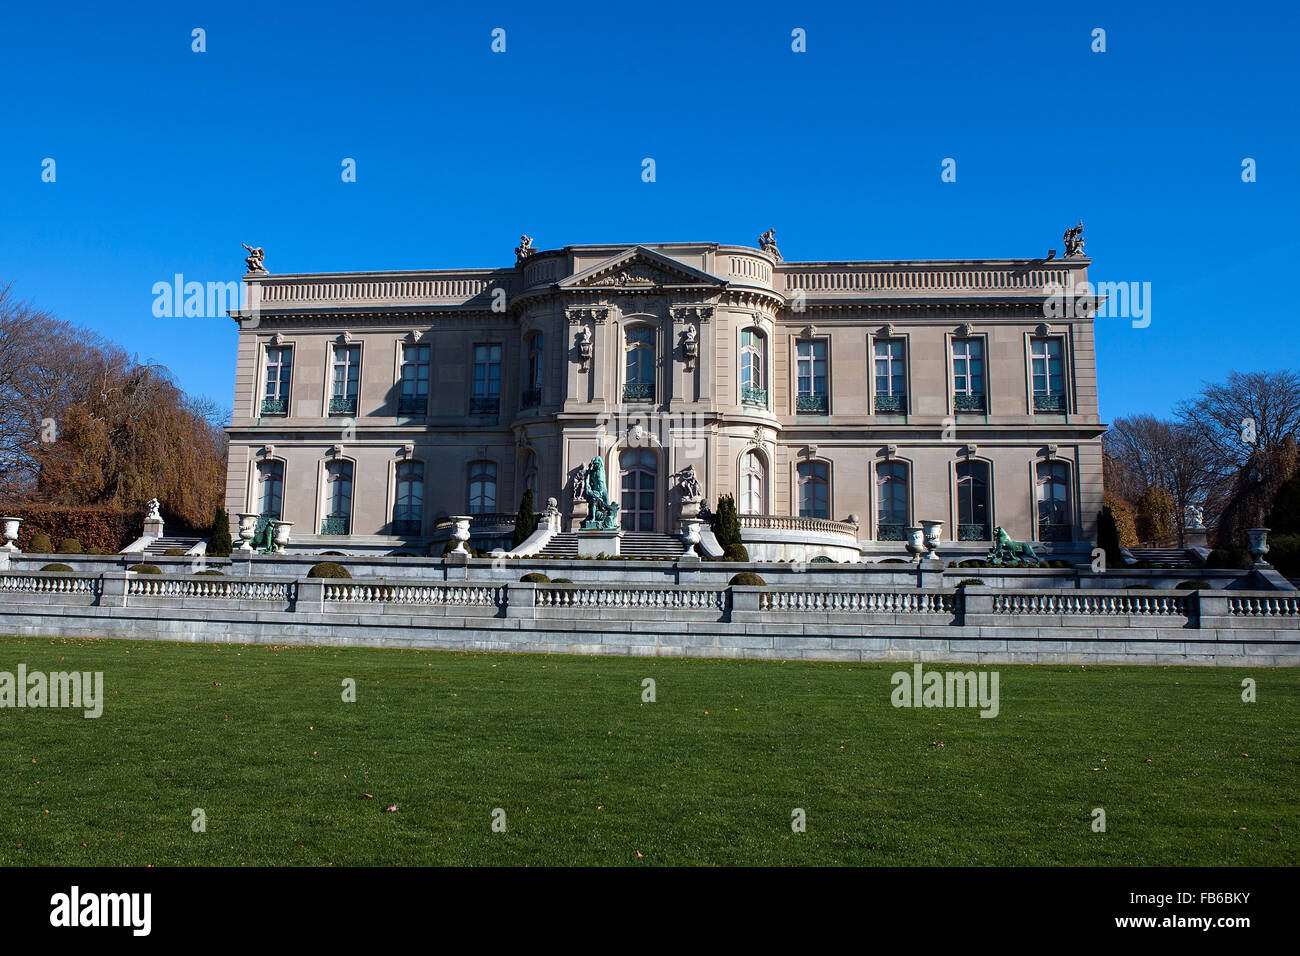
(1211, 609)
(521, 599)
(311, 595)
(112, 589)
(977, 606)
(744, 603)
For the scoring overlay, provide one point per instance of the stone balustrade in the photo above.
(844, 529)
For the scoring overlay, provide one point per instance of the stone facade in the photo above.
(836, 399)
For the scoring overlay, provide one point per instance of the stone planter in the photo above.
(11, 533)
(932, 533)
(247, 527)
(691, 535)
(282, 530)
(1258, 543)
(915, 542)
(460, 533)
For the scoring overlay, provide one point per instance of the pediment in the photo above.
(639, 268)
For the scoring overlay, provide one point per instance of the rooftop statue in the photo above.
(1073, 239)
(524, 249)
(767, 242)
(254, 258)
(1007, 552)
(604, 513)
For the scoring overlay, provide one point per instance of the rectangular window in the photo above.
(891, 377)
(279, 374)
(811, 371)
(1048, 374)
(486, 396)
(532, 395)
(968, 375)
(347, 379)
(414, 396)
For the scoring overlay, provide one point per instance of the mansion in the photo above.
(838, 402)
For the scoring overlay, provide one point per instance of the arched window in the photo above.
(270, 489)
(639, 378)
(530, 473)
(891, 501)
(408, 514)
(1053, 493)
(753, 387)
(338, 498)
(753, 483)
(639, 468)
(482, 488)
(973, 502)
(814, 490)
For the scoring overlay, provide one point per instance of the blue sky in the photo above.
(168, 159)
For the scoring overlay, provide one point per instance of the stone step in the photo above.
(1178, 557)
(639, 544)
(160, 546)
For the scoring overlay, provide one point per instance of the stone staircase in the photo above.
(1178, 557)
(633, 544)
(160, 546)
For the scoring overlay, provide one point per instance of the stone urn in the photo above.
(11, 533)
(282, 529)
(933, 531)
(460, 533)
(1257, 542)
(247, 527)
(691, 535)
(915, 542)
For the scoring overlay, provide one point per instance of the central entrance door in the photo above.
(639, 468)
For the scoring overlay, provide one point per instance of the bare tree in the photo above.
(1145, 453)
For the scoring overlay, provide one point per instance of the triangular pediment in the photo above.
(639, 268)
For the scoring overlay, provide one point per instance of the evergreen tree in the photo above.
(1108, 538)
(726, 525)
(220, 545)
(526, 521)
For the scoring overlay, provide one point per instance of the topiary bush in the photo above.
(748, 578)
(41, 544)
(146, 569)
(211, 571)
(736, 552)
(560, 581)
(526, 520)
(970, 582)
(56, 567)
(1193, 586)
(94, 549)
(726, 524)
(328, 569)
(535, 577)
(219, 543)
(70, 546)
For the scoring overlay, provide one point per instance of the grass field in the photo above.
(587, 773)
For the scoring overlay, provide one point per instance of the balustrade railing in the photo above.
(795, 523)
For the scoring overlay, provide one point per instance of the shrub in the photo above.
(1284, 553)
(328, 569)
(736, 552)
(968, 563)
(41, 544)
(535, 577)
(70, 546)
(1193, 585)
(335, 554)
(905, 561)
(560, 581)
(211, 571)
(726, 524)
(1108, 537)
(1229, 558)
(174, 553)
(109, 529)
(823, 559)
(56, 567)
(146, 569)
(748, 578)
(1284, 518)
(94, 549)
(972, 582)
(526, 520)
(219, 543)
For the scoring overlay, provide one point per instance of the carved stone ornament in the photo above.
(1043, 329)
(268, 450)
(688, 313)
(582, 342)
(966, 329)
(596, 316)
(808, 332)
(887, 331)
(637, 275)
(690, 347)
(1050, 452)
(408, 449)
(336, 451)
(346, 337)
(255, 258)
(278, 338)
(891, 452)
(524, 249)
(971, 450)
(757, 439)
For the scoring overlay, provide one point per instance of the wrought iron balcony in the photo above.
(407, 526)
(484, 404)
(531, 398)
(812, 404)
(891, 405)
(275, 406)
(343, 406)
(968, 403)
(412, 404)
(890, 532)
(334, 525)
(1049, 403)
(753, 395)
(974, 532)
(638, 392)
(1055, 532)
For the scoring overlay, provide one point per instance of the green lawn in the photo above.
(260, 738)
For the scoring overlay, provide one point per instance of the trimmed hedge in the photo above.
(736, 552)
(39, 544)
(328, 569)
(748, 578)
(969, 582)
(535, 577)
(56, 567)
(146, 569)
(70, 546)
(108, 529)
(1192, 586)
(561, 581)
(212, 571)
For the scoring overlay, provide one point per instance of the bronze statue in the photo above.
(524, 249)
(1073, 239)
